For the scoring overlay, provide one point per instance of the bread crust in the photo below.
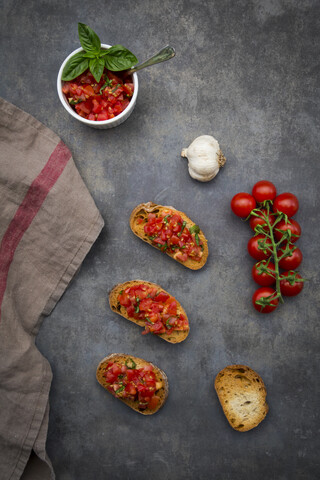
(160, 376)
(174, 337)
(242, 394)
(138, 229)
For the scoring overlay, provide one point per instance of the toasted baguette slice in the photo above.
(142, 210)
(120, 358)
(242, 395)
(174, 337)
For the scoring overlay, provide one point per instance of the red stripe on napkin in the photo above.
(29, 208)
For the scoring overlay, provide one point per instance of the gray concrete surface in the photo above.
(246, 72)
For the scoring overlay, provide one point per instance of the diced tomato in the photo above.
(154, 402)
(124, 300)
(172, 308)
(183, 257)
(161, 297)
(97, 107)
(85, 107)
(128, 88)
(112, 102)
(88, 90)
(174, 240)
(102, 116)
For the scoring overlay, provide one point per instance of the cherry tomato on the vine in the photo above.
(242, 204)
(254, 250)
(265, 292)
(264, 190)
(288, 289)
(291, 262)
(286, 203)
(263, 278)
(293, 226)
(254, 221)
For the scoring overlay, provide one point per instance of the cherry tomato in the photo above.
(286, 203)
(291, 262)
(288, 289)
(263, 279)
(293, 226)
(242, 204)
(264, 190)
(254, 221)
(264, 292)
(255, 251)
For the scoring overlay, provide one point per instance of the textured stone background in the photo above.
(246, 72)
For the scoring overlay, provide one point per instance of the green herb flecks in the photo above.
(74, 102)
(107, 83)
(116, 88)
(120, 389)
(194, 229)
(129, 363)
(182, 228)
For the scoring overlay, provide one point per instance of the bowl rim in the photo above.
(95, 122)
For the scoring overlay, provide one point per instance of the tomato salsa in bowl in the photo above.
(99, 105)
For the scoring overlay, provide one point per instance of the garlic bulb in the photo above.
(204, 158)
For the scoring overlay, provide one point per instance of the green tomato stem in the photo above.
(274, 252)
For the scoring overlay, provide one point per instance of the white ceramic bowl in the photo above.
(112, 122)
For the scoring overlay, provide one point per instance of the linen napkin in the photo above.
(48, 223)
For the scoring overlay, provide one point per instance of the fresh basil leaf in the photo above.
(90, 42)
(75, 66)
(89, 55)
(103, 52)
(119, 58)
(96, 66)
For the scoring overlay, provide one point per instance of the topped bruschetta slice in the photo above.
(172, 232)
(150, 306)
(141, 385)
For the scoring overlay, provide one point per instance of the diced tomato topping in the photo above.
(93, 102)
(127, 381)
(170, 234)
(155, 307)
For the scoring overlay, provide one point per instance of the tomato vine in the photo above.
(269, 245)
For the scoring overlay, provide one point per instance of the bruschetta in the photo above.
(150, 306)
(172, 232)
(138, 383)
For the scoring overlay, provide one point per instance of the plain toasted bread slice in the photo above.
(242, 395)
(120, 358)
(142, 210)
(174, 337)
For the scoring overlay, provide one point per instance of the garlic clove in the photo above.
(204, 158)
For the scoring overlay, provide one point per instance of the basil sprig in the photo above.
(95, 58)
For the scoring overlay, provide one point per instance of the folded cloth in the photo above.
(48, 223)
